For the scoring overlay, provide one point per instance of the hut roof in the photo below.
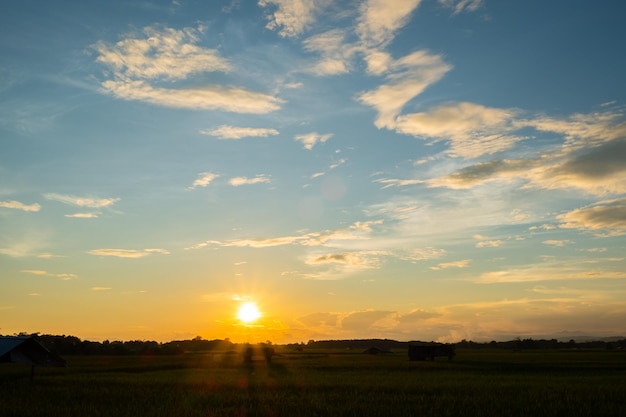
(376, 351)
(25, 349)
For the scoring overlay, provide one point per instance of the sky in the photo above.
(412, 170)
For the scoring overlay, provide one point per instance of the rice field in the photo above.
(323, 383)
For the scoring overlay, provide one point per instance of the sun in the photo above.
(248, 312)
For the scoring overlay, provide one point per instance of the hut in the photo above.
(26, 350)
(376, 351)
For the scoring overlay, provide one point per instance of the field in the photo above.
(323, 383)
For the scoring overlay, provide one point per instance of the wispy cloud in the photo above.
(101, 288)
(462, 5)
(239, 181)
(421, 254)
(335, 54)
(90, 202)
(356, 231)
(455, 264)
(337, 164)
(204, 179)
(62, 276)
(395, 182)
(489, 244)
(554, 242)
(236, 100)
(407, 77)
(16, 205)
(605, 218)
(379, 20)
(162, 53)
(590, 158)
(292, 17)
(233, 132)
(535, 273)
(127, 253)
(83, 215)
(309, 140)
(139, 62)
(340, 265)
(473, 130)
(34, 271)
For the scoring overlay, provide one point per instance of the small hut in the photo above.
(26, 350)
(376, 351)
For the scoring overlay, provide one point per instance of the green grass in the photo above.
(323, 383)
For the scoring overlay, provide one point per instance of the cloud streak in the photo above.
(605, 218)
(204, 179)
(16, 205)
(239, 181)
(91, 202)
(233, 132)
(140, 64)
(408, 77)
(127, 253)
(292, 17)
(309, 140)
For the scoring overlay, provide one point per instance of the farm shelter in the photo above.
(25, 349)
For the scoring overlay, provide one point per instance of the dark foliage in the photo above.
(72, 345)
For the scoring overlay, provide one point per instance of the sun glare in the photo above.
(248, 312)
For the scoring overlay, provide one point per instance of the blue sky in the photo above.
(433, 170)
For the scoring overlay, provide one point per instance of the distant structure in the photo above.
(26, 350)
(429, 351)
(376, 351)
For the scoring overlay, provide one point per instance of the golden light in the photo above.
(248, 312)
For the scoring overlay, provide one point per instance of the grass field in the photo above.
(323, 383)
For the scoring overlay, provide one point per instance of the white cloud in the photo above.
(554, 242)
(340, 265)
(408, 77)
(239, 181)
(395, 182)
(489, 244)
(422, 254)
(162, 53)
(462, 5)
(337, 164)
(356, 231)
(234, 100)
(62, 276)
(473, 130)
(83, 215)
(535, 273)
(204, 179)
(335, 53)
(34, 271)
(292, 17)
(233, 132)
(139, 63)
(127, 253)
(590, 159)
(454, 264)
(309, 140)
(380, 19)
(91, 202)
(582, 130)
(16, 205)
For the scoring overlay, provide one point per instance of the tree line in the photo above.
(72, 345)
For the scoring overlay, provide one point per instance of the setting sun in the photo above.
(248, 312)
